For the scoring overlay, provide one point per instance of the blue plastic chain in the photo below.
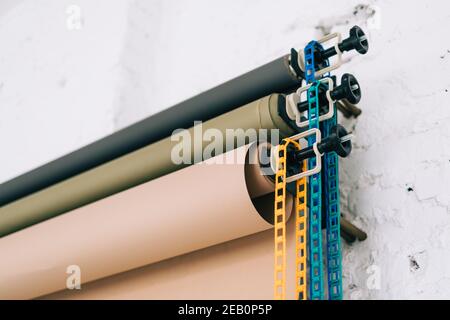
(315, 184)
(330, 187)
(333, 215)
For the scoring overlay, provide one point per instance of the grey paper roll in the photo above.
(276, 76)
(132, 169)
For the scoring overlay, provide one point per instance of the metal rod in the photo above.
(348, 137)
(352, 108)
(347, 237)
(341, 107)
(351, 229)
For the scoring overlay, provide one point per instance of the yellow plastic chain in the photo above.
(280, 224)
(280, 227)
(300, 237)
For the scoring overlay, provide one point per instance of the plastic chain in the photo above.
(301, 226)
(315, 183)
(330, 186)
(280, 227)
(331, 196)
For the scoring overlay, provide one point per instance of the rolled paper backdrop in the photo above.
(276, 76)
(234, 270)
(194, 208)
(135, 168)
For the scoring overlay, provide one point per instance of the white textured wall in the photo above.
(60, 89)
(57, 84)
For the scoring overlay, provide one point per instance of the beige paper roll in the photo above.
(140, 166)
(234, 270)
(194, 208)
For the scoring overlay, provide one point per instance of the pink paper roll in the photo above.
(194, 208)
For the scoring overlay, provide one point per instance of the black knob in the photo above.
(348, 89)
(332, 143)
(356, 41)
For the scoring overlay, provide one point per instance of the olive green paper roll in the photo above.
(135, 168)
